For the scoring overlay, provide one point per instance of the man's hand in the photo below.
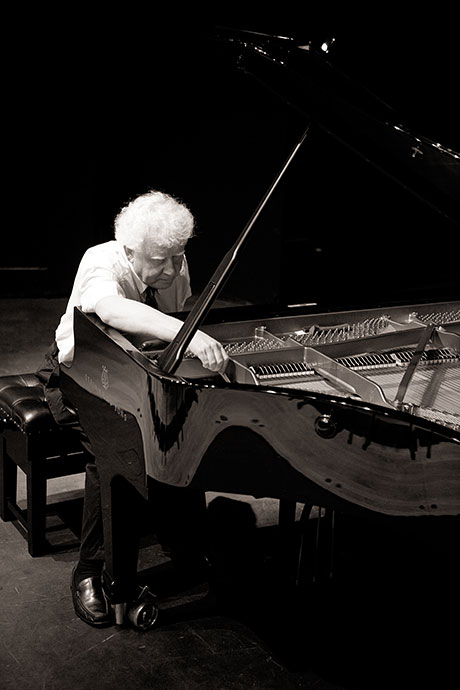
(209, 351)
(130, 316)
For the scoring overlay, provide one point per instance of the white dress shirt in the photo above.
(105, 271)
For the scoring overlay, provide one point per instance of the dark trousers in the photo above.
(177, 515)
(92, 539)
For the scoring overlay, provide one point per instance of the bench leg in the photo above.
(8, 483)
(36, 513)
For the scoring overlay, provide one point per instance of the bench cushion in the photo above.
(23, 403)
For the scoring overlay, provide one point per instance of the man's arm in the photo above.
(130, 316)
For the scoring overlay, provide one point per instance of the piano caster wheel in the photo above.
(143, 612)
(120, 610)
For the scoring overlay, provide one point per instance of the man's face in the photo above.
(157, 266)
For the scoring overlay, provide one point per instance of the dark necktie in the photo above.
(149, 297)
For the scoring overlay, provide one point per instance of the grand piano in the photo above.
(355, 410)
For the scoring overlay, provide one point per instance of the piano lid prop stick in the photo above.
(171, 357)
(408, 374)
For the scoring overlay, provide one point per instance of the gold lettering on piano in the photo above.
(105, 377)
(101, 393)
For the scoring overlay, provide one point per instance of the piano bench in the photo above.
(31, 440)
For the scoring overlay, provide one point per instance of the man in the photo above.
(130, 283)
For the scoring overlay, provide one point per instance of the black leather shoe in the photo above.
(90, 602)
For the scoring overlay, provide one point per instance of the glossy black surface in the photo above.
(392, 582)
(311, 81)
(334, 443)
(149, 429)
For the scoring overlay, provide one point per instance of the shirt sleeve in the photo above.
(97, 281)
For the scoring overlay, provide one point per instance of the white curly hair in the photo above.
(154, 217)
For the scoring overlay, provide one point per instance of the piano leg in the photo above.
(317, 563)
(324, 546)
(288, 536)
(121, 543)
(320, 565)
(174, 514)
(132, 604)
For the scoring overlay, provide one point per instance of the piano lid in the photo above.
(307, 80)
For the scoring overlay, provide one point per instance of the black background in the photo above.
(103, 108)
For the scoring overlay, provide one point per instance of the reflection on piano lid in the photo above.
(369, 422)
(308, 80)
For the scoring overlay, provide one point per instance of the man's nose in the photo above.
(169, 266)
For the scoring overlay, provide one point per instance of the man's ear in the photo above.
(129, 253)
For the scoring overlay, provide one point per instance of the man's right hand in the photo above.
(209, 351)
